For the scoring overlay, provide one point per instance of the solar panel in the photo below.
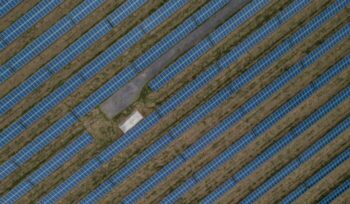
(193, 118)
(124, 11)
(205, 44)
(336, 192)
(8, 6)
(254, 101)
(47, 168)
(48, 37)
(28, 20)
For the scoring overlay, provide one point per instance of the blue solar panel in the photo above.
(50, 36)
(162, 14)
(23, 89)
(98, 193)
(29, 19)
(6, 6)
(203, 46)
(147, 185)
(239, 145)
(302, 188)
(56, 64)
(196, 116)
(219, 191)
(242, 16)
(46, 169)
(208, 10)
(124, 11)
(336, 192)
(84, 9)
(328, 168)
(7, 168)
(64, 187)
(267, 154)
(76, 48)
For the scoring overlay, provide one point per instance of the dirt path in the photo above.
(240, 129)
(307, 169)
(287, 154)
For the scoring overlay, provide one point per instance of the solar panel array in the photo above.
(63, 112)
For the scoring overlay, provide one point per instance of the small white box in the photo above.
(133, 119)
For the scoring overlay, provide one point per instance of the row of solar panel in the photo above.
(59, 94)
(283, 142)
(47, 168)
(44, 41)
(93, 162)
(84, 74)
(7, 6)
(263, 126)
(204, 45)
(67, 55)
(28, 20)
(77, 113)
(141, 158)
(342, 188)
(141, 63)
(183, 125)
(302, 188)
(108, 184)
(191, 151)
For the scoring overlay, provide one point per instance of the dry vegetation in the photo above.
(307, 169)
(287, 154)
(204, 126)
(106, 131)
(246, 124)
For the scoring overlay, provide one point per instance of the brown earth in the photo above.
(328, 183)
(287, 154)
(307, 169)
(200, 128)
(16, 13)
(40, 27)
(226, 171)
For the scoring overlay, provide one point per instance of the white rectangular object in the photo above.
(133, 119)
